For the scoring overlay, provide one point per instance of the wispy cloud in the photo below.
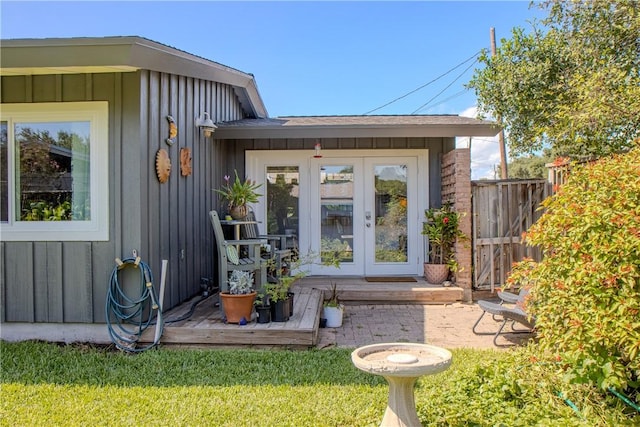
(485, 151)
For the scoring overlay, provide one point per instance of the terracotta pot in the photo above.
(238, 212)
(436, 273)
(237, 307)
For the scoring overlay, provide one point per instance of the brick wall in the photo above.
(456, 189)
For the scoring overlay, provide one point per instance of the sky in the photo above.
(312, 58)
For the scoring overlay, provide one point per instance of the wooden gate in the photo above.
(502, 211)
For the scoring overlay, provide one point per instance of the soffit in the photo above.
(356, 127)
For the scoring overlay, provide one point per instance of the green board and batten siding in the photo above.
(67, 281)
(435, 145)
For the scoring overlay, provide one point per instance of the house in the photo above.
(101, 134)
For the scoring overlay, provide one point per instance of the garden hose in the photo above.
(570, 403)
(624, 398)
(128, 317)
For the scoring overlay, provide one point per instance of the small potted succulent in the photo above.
(237, 303)
(237, 194)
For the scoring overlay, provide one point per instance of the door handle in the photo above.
(367, 215)
(368, 224)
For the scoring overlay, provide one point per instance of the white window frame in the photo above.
(95, 229)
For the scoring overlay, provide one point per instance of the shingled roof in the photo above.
(356, 126)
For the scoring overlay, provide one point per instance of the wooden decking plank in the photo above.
(206, 327)
(311, 313)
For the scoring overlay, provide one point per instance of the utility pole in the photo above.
(503, 149)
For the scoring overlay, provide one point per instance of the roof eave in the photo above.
(426, 131)
(54, 56)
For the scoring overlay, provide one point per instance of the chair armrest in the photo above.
(244, 242)
(508, 297)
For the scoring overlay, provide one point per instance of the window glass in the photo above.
(53, 178)
(54, 171)
(4, 174)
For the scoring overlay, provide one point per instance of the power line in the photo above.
(455, 95)
(446, 87)
(426, 84)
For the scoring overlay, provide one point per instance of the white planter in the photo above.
(333, 316)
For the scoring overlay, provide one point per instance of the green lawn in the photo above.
(48, 384)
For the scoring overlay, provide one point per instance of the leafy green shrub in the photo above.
(586, 291)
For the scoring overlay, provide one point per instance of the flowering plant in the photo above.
(239, 193)
(441, 227)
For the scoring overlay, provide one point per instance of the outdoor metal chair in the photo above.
(237, 255)
(506, 314)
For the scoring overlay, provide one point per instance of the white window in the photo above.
(54, 183)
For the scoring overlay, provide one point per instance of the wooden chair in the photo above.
(229, 257)
(279, 255)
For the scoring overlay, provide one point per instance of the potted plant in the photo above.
(332, 309)
(237, 303)
(441, 226)
(263, 307)
(238, 194)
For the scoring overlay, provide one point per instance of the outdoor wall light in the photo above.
(317, 151)
(206, 124)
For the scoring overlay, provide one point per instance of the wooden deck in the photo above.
(205, 326)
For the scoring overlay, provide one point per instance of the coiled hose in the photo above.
(128, 317)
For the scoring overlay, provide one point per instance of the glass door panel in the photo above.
(390, 221)
(282, 200)
(336, 213)
(391, 216)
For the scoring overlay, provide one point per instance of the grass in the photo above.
(49, 384)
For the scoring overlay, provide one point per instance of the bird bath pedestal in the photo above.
(401, 364)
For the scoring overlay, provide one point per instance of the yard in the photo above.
(49, 384)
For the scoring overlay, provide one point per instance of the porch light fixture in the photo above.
(317, 151)
(206, 124)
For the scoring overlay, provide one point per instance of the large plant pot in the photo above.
(237, 307)
(436, 273)
(238, 212)
(333, 316)
(280, 310)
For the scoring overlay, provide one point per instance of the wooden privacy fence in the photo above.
(502, 211)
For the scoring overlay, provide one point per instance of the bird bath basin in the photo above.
(401, 364)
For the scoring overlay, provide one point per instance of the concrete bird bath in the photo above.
(401, 364)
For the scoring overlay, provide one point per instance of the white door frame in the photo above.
(256, 162)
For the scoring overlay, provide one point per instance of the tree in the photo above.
(529, 167)
(572, 83)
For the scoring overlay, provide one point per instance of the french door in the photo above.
(365, 215)
(365, 210)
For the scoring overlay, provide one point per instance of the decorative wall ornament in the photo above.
(185, 161)
(163, 165)
(173, 131)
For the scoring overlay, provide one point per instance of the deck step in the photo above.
(359, 291)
